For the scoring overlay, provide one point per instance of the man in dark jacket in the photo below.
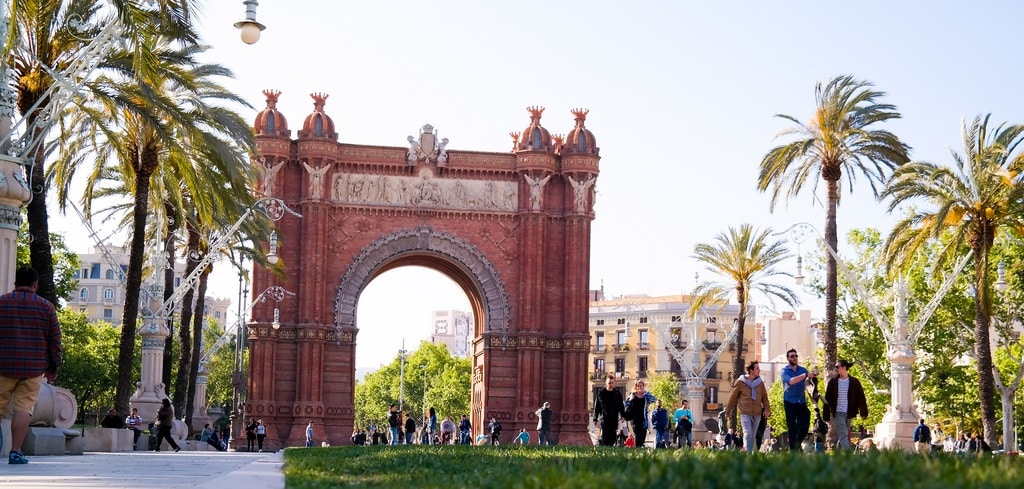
(544, 424)
(659, 421)
(844, 399)
(608, 407)
(394, 419)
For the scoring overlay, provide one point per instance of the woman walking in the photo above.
(164, 421)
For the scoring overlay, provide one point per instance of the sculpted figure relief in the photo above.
(536, 189)
(424, 191)
(269, 172)
(316, 179)
(580, 191)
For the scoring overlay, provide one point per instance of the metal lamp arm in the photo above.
(929, 309)
(275, 210)
(277, 293)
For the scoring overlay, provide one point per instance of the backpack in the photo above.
(684, 425)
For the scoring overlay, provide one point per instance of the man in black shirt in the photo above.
(608, 407)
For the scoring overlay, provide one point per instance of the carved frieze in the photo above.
(424, 191)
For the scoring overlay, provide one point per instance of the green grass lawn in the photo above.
(564, 466)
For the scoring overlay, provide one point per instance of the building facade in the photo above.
(100, 293)
(453, 329)
(631, 338)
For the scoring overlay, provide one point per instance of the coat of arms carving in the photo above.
(427, 147)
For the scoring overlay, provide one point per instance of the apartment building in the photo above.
(630, 337)
(100, 293)
(453, 329)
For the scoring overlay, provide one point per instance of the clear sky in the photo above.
(681, 95)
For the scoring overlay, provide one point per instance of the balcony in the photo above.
(622, 347)
(598, 375)
(621, 376)
(599, 349)
(679, 345)
(641, 374)
(712, 344)
(643, 346)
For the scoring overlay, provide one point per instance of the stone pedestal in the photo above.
(151, 391)
(896, 431)
(199, 415)
(52, 441)
(108, 440)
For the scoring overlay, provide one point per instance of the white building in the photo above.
(454, 329)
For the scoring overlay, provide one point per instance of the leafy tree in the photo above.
(981, 193)
(446, 378)
(665, 387)
(840, 138)
(65, 262)
(89, 371)
(746, 258)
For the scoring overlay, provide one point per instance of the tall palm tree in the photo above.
(970, 201)
(839, 139)
(176, 116)
(44, 37)
(746, 257)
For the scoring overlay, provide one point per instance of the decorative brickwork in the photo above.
(519, 248)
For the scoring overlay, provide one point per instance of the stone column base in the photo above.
(895, 434)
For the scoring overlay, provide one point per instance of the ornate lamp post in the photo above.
(897, 427)
(248, 28)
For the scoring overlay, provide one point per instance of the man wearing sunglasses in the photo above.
(794, 397)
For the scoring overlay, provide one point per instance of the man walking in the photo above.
(922, 438)
(544, 424)
(30, 349)
(608, 407)
(844, 399)
(794, 397)
(393, 421)
(684, 425)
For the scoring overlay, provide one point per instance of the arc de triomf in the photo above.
(511, 228)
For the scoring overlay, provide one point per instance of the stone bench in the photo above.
(108, 440)
(53, 441)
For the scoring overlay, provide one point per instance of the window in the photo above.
(677, 319)
(85, 273)
(83, 294)
(712, 337)
(600, 341)
(643, 320)
(711, 395)
(216, 315)
(599, 365)
(95, 272)
(620, 338)
(600, 322)
(712, 319)
(644, 337)
(109, 275)
(81, 309)
(620, 321)
(108, 313)
(642, 367)
(620, 365)
(108, 294)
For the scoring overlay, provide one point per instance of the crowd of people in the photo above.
(404, 430)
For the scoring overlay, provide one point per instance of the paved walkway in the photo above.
(131, 470)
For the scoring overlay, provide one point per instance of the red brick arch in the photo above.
(512, 229)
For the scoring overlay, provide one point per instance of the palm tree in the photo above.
(980, 194)
(174, 117)
(746, 257)
(44, 37)
(838, 140)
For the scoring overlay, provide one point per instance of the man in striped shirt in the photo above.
(30, 349)
(844, 399)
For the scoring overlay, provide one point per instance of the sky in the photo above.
(682, 98)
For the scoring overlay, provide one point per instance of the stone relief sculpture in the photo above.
(442, 154)
(269, 172)
(316, 179)
(536, 189)
(425, 191)
(580, 191)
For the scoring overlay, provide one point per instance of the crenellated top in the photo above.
(534, 137)
(580, 140)
(270, 121)
(318, 125)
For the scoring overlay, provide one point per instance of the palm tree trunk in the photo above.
(831, 279)
(197, 343)
(737, 359)
(40, 249)
(169, 249)
(185, 335)
(982, 346)
(133, 286)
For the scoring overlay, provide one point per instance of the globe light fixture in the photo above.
(249, 28)
(272, 254)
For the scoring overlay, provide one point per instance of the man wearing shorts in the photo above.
(30, 349)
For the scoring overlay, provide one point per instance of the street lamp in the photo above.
(401, 375)
(1001, 277)
(272, 253)
(248, 28)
